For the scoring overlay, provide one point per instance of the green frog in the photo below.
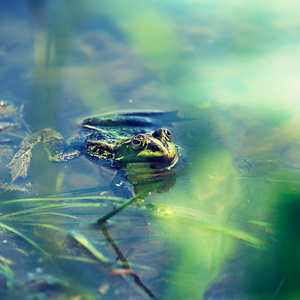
(130, 142)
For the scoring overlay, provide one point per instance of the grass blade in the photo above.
(33, 244)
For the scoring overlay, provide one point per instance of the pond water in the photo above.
(223, 223)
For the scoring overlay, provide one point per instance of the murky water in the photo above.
(224, 225)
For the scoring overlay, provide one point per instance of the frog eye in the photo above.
(168, 135)
(137, 142)
(157, 133)
(162, 133)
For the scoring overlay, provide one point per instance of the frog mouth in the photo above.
(159, 151)
(150, 155)
(156, 161)
(155, 157)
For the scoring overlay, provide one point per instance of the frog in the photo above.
(132, 142)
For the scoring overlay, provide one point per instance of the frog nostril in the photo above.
(154, 147)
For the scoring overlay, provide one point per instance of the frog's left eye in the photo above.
(168, 135)
(162, 133)
(137, 142)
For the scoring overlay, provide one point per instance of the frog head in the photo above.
(147, 152)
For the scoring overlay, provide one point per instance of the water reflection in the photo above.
(227, 227)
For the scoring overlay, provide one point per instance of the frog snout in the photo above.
(154, 147)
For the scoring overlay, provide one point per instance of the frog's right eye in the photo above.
(137, 142)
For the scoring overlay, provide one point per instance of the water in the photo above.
(225, 226)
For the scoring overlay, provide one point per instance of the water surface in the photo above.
(226, 225)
